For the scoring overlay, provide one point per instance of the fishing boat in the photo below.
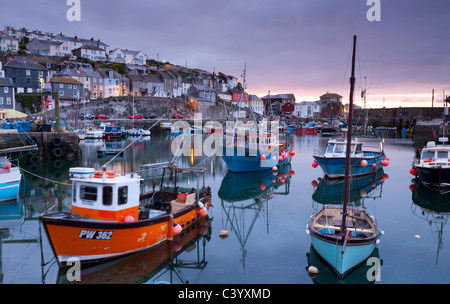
(344, 236)
(112, 132)
(249, 148)
(306, 129)
(112, 217)
(91, 132)
(364, 159)
(433, 166)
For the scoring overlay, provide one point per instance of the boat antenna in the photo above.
(349, 139)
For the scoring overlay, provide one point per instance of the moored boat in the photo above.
(433, 167)
(364, 160)
(9, 180)
(110, 217)
(344, 236)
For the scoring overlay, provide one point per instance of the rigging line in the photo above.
(44, 178)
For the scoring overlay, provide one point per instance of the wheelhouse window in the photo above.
(123, 195)
(442, 154)
(88, 193)
(340, 148)
(107, 195)
(427, 154)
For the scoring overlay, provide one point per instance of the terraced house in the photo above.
(7, 100)
(26, 74)
(8, 43)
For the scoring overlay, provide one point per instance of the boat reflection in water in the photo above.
(433, 206)
(331, 191)
(158, 265)
(367, 272)
(246, 196)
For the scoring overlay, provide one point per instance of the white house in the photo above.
(91, 52)
(8, 43)
(307, 109)
(114, 84)
(128, 56)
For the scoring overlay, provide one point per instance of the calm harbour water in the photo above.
(267, 241)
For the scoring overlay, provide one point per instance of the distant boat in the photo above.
(344, 236)
(112, 132)
(364, 160)
(137, 132)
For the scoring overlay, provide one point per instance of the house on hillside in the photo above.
(91, 52)
(114, 83)
(128, 57)
(256, 104)
(7, 94)
(40, 47)
(307, 109)
(273, 103)
(27, 75)
(70, 91)
(8, 43)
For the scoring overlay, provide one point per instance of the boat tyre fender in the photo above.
(57, 164)
(32, 140)
(57, 152)
(34, 159)
(56, 141)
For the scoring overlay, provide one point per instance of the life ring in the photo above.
(429, 160)
(33, 140)
(57, 152)
(109, 174)
(56, 141)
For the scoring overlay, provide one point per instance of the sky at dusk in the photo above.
(288, 46)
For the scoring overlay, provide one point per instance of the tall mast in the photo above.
(349, 139)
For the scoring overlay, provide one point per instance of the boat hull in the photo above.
(92, 241)
(342, 263)
(334, 167)
(435, 176)
(10, 184)
(238, 163)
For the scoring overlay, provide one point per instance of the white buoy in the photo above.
(417, 236)
(313, 270)
(223, 233)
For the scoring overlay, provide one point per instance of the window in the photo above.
(61, 85)
(75, 94)
(8, 100)
(88, 193)
(28, 81)
(95, 87)
(14, 80)
(69, 86)
(1, 100)
(6, 89)
(41, 74)
(123, 195)
(61, 92)
(28, 72)
(340, 148)
(442, 154)
(427, 154)
(107, 195)
(75, 86)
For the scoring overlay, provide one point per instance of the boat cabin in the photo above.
(436, 154)
(103, 195)
(337, 148)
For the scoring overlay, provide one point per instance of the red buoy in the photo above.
(315, 164)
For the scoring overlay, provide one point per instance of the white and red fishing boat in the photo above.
(111, 217)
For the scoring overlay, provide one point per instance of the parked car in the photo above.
(176, 115)
(101, 116)
(151, 116)
(137, 116)
(87, 116)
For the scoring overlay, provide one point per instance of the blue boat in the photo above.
(9, 180)
(112, 133)
(248, 155)
(344, 236)
(364, 160)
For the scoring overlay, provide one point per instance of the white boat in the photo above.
(93, 133)
(137, 132)
(9, 180)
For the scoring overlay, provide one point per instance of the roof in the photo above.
(64, 80)
(90, 47)
(49, 42)
(7, 37)
(331, 95)
(105, 73)
(24, 64)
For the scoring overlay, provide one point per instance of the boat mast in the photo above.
(349, 139)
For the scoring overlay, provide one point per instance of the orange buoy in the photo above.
(364, 163)
(109, 174)
(292, 152)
